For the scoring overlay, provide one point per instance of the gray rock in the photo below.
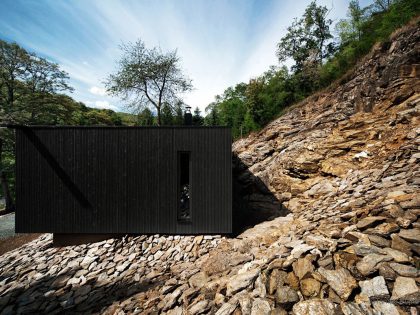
(260, 307)
(158, 255)
(320, 242)
(374, 289)
(259, 288)
(341, 281)
(385, 308)
(400, 244)
(301, 249)
(123, 266)
(405, 292)
(352, 308)
(383, 229)
(302, 267)
(361, 249)
(369, 263)
(412, 235)
(369, 222)
(286, 296)
(227, 308)
(60, 282)
(404, 270)
(397, 255)
(310, 287)
(221, 260)
(412, 203)
(379, 241)
(241, 281)
(278, 311)
(198, 280)
(277, 278)
(314, 307)
(199, 308)
(175, 311)
(170, 299)
(87, 261)
(245, 302)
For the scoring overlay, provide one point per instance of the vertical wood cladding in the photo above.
(121, 179)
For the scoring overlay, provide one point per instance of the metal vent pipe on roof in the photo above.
(188, 116)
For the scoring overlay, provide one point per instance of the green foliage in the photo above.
(197, 119)
(350, 29)
(167, 117)
(29, 85)
(229, 109)
(179, 114)
(145, 118)
(212, 119)
(307, 39)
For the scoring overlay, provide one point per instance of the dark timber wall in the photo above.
(121, 179)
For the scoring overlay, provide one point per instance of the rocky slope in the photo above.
(344, 165)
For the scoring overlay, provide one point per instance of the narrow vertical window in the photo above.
(184, 188)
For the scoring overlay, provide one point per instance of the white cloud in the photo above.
(101, 105)
(97, 91)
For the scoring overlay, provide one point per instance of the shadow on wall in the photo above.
(253, 202)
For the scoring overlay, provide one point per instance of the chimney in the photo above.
(187, 116)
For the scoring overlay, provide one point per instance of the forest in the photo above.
(34, 90)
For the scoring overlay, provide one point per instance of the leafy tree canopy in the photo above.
(307, 40)
(148, 78)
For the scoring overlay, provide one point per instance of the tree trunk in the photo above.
(10, 206)
(158, 116)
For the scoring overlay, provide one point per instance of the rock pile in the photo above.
(39, 278)
(344, 163)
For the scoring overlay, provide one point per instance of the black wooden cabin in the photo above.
(123, 179)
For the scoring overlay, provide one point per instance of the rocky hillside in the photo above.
(340, 176)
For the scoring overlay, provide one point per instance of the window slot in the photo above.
(184, 186)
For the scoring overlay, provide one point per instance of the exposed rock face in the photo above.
(344, 163)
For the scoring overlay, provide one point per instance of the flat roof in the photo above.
(13, 126)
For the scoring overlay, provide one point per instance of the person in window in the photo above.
(185, 201)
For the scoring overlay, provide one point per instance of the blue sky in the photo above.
(220, 42)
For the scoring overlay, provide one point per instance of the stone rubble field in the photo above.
(344, 164)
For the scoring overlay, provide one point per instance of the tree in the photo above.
(179, 114)
(148, 77)
(254, 101)
(228, 109)
(167, 116)
(28, 94)
(145, 118)
(306, 40)
(13, 69)
(382, 5)
(350, 29)
(212, 119)
(248, 124)
(197, 119)
(27, 83)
